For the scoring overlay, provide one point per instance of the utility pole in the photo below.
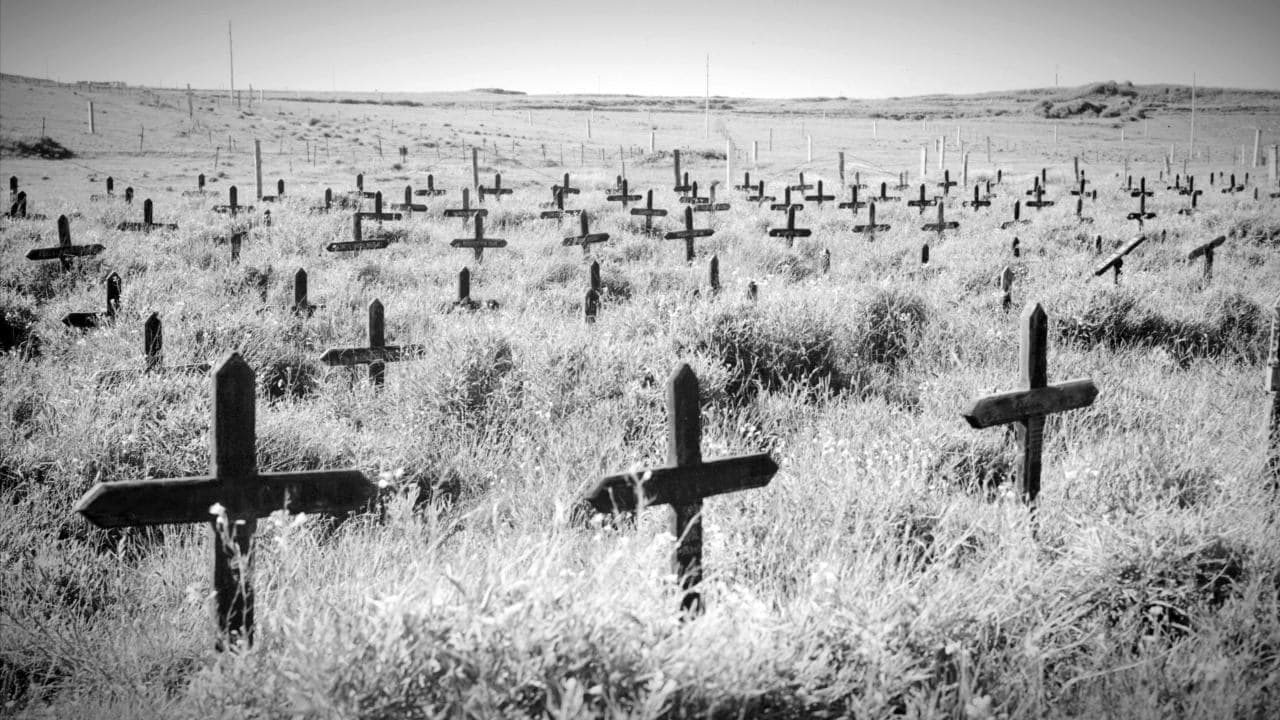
(707, 105)
(1191, 148)
(231, 59)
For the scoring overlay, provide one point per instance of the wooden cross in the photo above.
(790, 232)
(360, 192)
(711, 206)
(466, 211)
(1142, 190)
(1080, 216)
(978, 201)
(1232, 188)
(683, 483)
(947, 183)
(358, 242)
(497, 190)
(1028, 406)
(1206, 251)
(902, 182)
(1017, 217)
(557, 202)
(1039, 202)
(942, 225)
(18, 208)
(90, 320)
(233, 208)
(922, 202)
(746, 183)
(147, 224)
(1035, 186)
(230, 498)
(800, 186)
(820, 197)
(431, 190)
(377, 354)
(870, 228)
(279, 196)
(1116, 261)
(693, 198)
(786, 205)
(648, 212)
(302, 307)
(328, 203)
(760, 197)
(623, 197)
(464, 301)
(713, 274)
(479, 242)
(1005, 281)
(64, 250)
(153, 354)
(585, 238)
(1080, 188)
(111, 186)
(409, 205)
(1193, 195)
(853, 203)
(688, 234)
(377, 213)
(1141, 215)
(885, 196)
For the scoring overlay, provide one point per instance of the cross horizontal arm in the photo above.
(683, 485)
(1016, 405)
(53, 253)
(366, 355)
(187, 500)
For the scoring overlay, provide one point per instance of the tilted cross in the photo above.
(1028, 406)
(84, 320)
(683, 483)
(688, 234)
(64, 250)
(479, 242)
(585, 238)
(790, 232)
(1116, 261)
(377, 354)
(623, 197)
(1206, 251)
(231, 498)
(648, 212)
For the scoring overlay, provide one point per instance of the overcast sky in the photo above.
(759, 48)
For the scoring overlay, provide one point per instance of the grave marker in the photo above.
(786, 205)
(853, 204)
(377, 354)
(1206, 251)
(466, 211)
(800, 186)
(760, 197)
(1005, 280)
(377, 213)
(1141, 215)
(922, 202)
(790, 232)
(279, 196)
(1039, 203)
(693, 198)
(90, 320)
(648, 212)
(942, 225)
(688, 234)
(147, 224)
(1027, 407)
(431, 189)
(947, 183)
(623, 197)
(235, 485)
(497, 190)
(1017, 217)
(977, 202)
(64, 250)
(479, 242)
(233, 207)
(586, 238)
(683, 484)
(870, 228)
(1116, 261)
(464, 301)
(820, 197)
(302, 307)
(358, 241)
(711, 206)
(153, 356)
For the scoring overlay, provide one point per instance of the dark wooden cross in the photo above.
(153, 354)
(231, 498)
(1142, 190)
(1035, 186)
(377, 213)
(360, 192)
(18, 208)
(148, 224)
(586, 237)
(746, 183)
(431, 189)
(922, 202)
(947, 183)
(902, 182)
(377, 354)
(1017, 217)
(1080, 190)
(885, 196)
(978, 202)
(565, 188)
(1005, 281)
(64, 250)
(358, 242)
(111, 186)
(1027, 407)
(820, 197)
(688, 234)
(466, 211)
(648, 212)
(786, 205)
(1232, 188)
(464, 301)
(623, 197)
(1192, 194)
(409, 205)
(1080, 216)
(760, 197)
(478, 242)
(85, 320)
(942, 225)
(279, 196)
(1206, 251)
(557, 202)
(497, 190)
(683, 483)
(790, 232)
(233, 207)
(713, 274)
(853, 203)
(328, 202)
(692, 198)
(1116, 261)
(1039, 202)
(870, 228)
(591, 305)
(711, 206)
(800, 186)
(1141, 215)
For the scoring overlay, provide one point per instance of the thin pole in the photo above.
(231, 61)
(1191, 147)
(707, 104)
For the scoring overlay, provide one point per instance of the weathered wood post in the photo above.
(92, 129)
(257, 165)
(1273, 386)
(1206, 251)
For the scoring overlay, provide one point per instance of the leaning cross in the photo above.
(648, 212)
(64, 250)
(89, 320)
(790, 232)
(1029, 406)
(377, 354)
(688, 234)
(623, 197)
(683, 484)
(1116, 261)
(1206, 251)
(231, 498)
(586, 237)
(479, 242)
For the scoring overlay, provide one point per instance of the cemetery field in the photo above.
(892, 564)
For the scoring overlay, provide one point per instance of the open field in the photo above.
(889, 568)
